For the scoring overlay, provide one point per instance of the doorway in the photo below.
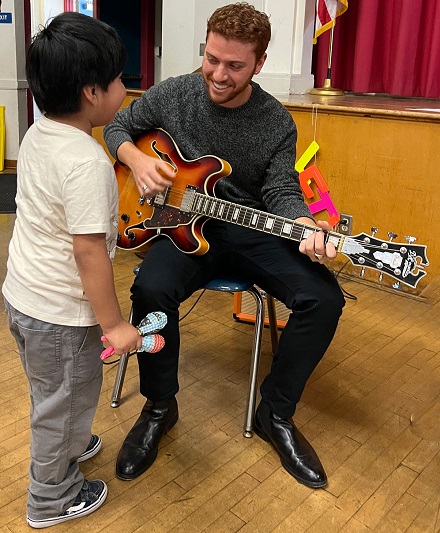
(134, 20)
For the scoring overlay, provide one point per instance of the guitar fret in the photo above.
(221, 209)
(260, 221)
(206, 204)
(287, 228)
(231, 211)
(278, 226)
(200, 201)
(269, 223)
(225, 210)
(197, 202)
(297, 232)
(212, 207)
(247, 217)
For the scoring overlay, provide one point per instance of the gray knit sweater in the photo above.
(258, 139)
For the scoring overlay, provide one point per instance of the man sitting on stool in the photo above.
(221, 111)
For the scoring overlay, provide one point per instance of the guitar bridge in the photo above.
(188, 199)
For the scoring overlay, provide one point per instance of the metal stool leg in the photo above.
(119, 381)
(256, 351)
(120, 376)
(271, 311)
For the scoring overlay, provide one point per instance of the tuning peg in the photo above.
(373, 233)
(391, 236)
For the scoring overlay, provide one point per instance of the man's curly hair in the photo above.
(241, 22)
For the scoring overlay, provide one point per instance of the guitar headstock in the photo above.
(404, 262)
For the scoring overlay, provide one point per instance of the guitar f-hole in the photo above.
(162, 155)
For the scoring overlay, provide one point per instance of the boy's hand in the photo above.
(124, 338)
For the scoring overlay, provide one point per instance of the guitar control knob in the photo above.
(131, 236)
(125, 217)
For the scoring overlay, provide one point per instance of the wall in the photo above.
(13, 84)
(381, 168)
(41, 12)
(288, 66)
(181, 27)
(12, 76)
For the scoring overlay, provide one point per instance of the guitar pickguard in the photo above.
(168, 217)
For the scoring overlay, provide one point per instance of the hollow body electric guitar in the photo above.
(181, 211)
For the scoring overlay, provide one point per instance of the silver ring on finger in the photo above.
(318, 256)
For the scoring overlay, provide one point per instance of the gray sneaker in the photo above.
(92, 449)
(91, 496)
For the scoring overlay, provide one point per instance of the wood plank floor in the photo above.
(371, 410)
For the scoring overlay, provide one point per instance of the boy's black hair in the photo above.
(71, 52)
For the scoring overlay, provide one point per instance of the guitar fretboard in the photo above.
(255, 219)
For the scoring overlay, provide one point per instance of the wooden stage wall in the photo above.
(381, 162)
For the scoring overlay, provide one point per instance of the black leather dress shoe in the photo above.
(296, 453)
(142, 442)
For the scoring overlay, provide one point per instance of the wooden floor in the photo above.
(371, 411)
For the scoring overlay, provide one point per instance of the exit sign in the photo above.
(5, 18)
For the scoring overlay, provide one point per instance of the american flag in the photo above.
(326, 13)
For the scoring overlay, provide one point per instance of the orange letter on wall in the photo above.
(325, 202)
(309, 174)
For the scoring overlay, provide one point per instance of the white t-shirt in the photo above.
(66, 186)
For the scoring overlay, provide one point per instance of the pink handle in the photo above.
(108, 352)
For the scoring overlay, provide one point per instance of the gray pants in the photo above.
(64, 371)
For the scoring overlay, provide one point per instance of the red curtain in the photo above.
(384, 46)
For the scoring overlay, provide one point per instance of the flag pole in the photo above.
(328, 90)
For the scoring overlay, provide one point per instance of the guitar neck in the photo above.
(258, 220)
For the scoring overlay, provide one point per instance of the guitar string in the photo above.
(178, 194)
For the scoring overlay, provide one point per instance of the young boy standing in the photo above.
(59, 289)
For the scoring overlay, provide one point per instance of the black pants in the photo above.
(168, 277)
